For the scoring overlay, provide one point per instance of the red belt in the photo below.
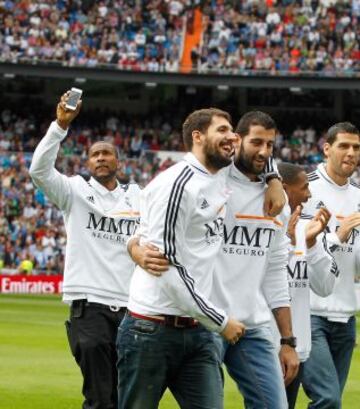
(169, 320)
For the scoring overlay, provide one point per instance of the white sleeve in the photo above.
(42, 170)
(171, 218)
(181, 287)
(275, 285)
(322, 268)
(271, 168)
(333, 241)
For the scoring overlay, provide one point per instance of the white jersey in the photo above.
(182, 213)
(341, 201)
(250, 273)
(98, 223)
(313, 268)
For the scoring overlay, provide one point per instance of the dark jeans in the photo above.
(92, 334)
(152, 357)
(292, 390)
(326, 370)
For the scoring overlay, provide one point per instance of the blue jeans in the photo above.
(153, 357)
(253, 363)
(326, 370)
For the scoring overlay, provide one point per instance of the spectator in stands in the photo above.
(26, 266)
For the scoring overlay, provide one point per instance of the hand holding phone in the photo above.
(68, 108)
(73, 98)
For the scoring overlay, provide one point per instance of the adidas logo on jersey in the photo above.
(320, 205)
(90, 199)
(204, 204)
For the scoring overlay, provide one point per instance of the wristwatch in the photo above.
(291, 341)
(272, 176)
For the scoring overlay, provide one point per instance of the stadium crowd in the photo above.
(284, 35)
(251, 35)
(137, 35)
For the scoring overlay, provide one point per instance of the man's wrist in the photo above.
(130, 245)
(63, 124)
(272, 176)
(290, 341)
(310, 243)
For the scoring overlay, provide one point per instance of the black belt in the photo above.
(86, 303)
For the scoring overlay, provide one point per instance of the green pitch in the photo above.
(38, 372)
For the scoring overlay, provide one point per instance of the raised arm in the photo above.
(42, 170)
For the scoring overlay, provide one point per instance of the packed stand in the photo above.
(239, 36)
(131, 34)
(289, 36)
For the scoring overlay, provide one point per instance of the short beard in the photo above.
(244, 164)
(214, 159)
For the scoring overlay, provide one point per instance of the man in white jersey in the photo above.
(310, 265)
(250, 274)
(161, 342)
(333, 317)
(100, 215)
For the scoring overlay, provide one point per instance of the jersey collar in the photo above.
(324, 174)
(102, 189)
(194, 162)
(236, 174)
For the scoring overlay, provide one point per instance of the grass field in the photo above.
(37, 370)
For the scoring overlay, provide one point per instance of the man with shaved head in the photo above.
(100, 215)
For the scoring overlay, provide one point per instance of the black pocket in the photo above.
(77, 309)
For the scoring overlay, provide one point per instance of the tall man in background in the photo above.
(333, 318)
(100, 215)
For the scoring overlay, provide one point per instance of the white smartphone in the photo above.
(74, 97)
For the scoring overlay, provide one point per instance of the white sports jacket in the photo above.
(182, 213)
(250, 273)
(98, 223)
(341, 201)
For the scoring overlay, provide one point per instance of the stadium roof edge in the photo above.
(212, 79)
